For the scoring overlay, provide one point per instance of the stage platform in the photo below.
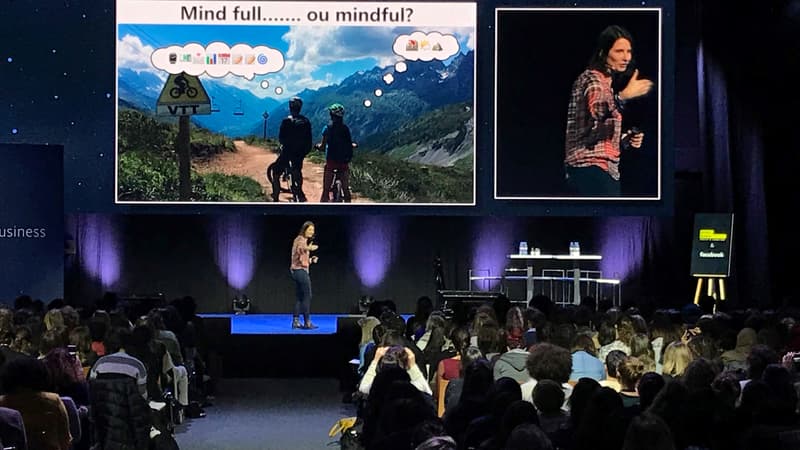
(265, 345)
(271, 324)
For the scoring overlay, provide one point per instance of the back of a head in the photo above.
(23, 302)
(759, 358)
(52, 338)
(727, 389)
(704, 346)
(562, 336)
(141, 337)
(470, 355)
(98, 328)
(625, 330)
(582, 392)
(116, 339)
(393, 321)
(640, 346)
(437, 443)
(53, 319)
(391, 337)
(534, 318)
(528, 437)
(395, 356)
(549, 362)
(506, 385)
(489, 339)
(460, 338)
(699, 375)
(295, 105)
(548, 396)
(630, 371)
(515, 318)
(606, 333)
(25, 373)
(670, 402)
(424, 308)
(583, 342)
(648, 431)
(63, 369)
(677, 357)
(478, 378)
(519, 412)
(650, 385)
(435, 320)
(782, 384)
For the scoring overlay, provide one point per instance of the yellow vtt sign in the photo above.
(183, 95)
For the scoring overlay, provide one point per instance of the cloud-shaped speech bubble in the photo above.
(217, 59)
(425, 47)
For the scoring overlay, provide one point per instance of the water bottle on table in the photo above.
(523, 247)
(574, 248)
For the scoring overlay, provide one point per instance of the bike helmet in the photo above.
(336, 109)
(295, 103)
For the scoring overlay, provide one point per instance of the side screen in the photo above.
(578, 106)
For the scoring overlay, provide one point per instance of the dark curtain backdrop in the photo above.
(214, 258)
(747, 68)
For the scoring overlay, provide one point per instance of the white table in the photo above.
(576, 259)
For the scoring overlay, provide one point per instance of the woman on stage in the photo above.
(301, 259)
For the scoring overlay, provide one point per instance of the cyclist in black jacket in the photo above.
(338, 145)
(295, 139)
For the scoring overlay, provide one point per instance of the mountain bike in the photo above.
(336, 187)
(287, 181)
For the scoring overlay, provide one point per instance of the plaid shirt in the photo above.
(594, 124)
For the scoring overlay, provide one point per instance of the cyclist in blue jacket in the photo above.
(338, 145)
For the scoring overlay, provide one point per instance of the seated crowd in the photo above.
(577, 377)
(98, 378)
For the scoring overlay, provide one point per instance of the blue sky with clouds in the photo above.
(315, 56)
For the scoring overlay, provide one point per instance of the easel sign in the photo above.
(711, 252)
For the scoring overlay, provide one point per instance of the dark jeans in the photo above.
(302, 284)
(592, 181)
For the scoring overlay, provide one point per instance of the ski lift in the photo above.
(214, 105)
(238, 111)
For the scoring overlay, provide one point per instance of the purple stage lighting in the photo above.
(494, 241)
(235, 242)
(99, 248)
(373, 240)
(622, 246)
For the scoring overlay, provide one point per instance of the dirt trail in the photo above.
(252, 161)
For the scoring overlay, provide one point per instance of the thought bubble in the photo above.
(218, 60)
(279, 90)
(388, 78)
(378, 92)
(401, 67)
(367, 103)
(264, 84)
(419, 46)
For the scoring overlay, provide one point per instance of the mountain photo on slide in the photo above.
(407, 92)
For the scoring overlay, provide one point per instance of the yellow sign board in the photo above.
(709, 234)
(183, 95)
